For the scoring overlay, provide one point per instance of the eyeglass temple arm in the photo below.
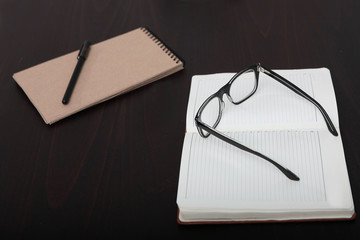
(297, 90)
(217, 134)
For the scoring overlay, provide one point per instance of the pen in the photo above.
(84, 49)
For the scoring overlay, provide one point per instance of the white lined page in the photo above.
(228, 173)
(273, 106)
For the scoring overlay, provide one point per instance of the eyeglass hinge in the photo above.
(261, 69)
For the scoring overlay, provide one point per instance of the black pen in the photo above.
(81, 59)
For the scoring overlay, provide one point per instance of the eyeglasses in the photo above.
(240, 88)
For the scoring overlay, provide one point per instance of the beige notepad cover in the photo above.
(112, 67)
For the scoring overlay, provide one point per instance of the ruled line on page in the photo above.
(219, 171)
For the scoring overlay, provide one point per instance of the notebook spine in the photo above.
(171, 53)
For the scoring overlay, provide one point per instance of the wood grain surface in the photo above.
(112, 171)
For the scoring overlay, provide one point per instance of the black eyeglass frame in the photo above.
(201, 126)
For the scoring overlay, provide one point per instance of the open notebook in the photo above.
(219, 183)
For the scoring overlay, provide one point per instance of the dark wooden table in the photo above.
(112, 170)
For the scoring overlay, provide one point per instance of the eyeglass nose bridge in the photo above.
(229, 97)
(225, 90)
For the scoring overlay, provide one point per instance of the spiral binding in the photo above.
(162, 45)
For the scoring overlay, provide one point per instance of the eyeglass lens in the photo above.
(241, 87)
(211, 113)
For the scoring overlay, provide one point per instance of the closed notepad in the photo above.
(113, 67)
